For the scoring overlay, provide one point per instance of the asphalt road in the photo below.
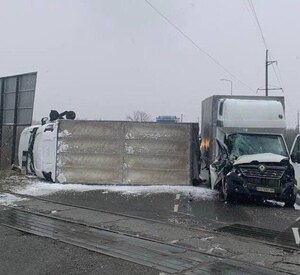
(28, 254)
(205, 213)
(23, 254)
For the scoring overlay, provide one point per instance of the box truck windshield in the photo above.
(249, 144)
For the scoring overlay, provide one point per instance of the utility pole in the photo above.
(298, 124)
(267, 71)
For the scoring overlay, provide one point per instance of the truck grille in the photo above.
(271, 172)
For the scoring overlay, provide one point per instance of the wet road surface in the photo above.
(154, 254)
(207, 213)
(199, 220)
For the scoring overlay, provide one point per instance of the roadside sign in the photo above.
(16, 109)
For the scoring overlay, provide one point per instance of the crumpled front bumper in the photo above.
(240, 186)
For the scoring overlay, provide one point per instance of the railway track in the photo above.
(160, 255)
(259, 235)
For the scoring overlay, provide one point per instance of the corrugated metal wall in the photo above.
(115, 152)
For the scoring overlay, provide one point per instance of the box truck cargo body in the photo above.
(114, 152)
(235, 114)
(243, 148)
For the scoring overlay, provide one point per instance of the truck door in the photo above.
(295, 158)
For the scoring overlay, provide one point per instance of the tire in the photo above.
(196, 182)
(290, 201)
(228, 196)
(259, 200)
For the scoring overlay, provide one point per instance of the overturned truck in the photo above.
(112, 152)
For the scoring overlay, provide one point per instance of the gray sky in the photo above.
(107, 58)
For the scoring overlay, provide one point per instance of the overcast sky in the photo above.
(107, 58)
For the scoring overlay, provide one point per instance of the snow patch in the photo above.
(64, 133)
(62, 147)
(129, 136)
(206, 239)
(273, 202)
(9, 199)
(44, 188)
(61, 178)
(129, 150)
(297, 207)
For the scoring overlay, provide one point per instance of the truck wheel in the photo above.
(290, 201)
(196, 182)
(227, 195)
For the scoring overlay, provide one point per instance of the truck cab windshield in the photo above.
(249, 144)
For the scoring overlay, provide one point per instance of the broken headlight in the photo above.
(238, 171)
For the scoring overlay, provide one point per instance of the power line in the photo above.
(278, 76)
(250, 12)
(255, 17)
(197, 46)
(258, 24)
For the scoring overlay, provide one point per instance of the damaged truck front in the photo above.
(244, 150)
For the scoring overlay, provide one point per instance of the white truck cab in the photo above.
(37, 150)
(25, 153)
(44, 151)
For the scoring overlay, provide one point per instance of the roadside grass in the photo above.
(4, 175)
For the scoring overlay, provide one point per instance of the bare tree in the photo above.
(139, 116)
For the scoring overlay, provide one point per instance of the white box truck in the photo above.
(243, 148)
(112, 152)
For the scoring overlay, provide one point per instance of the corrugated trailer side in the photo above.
(120, 152)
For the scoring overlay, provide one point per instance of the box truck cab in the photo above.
(244, 149)
(44, 151)
(37, 150)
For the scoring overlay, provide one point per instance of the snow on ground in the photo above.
(45, 188)
(297, 207)
(9, 199)
(273, 202)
